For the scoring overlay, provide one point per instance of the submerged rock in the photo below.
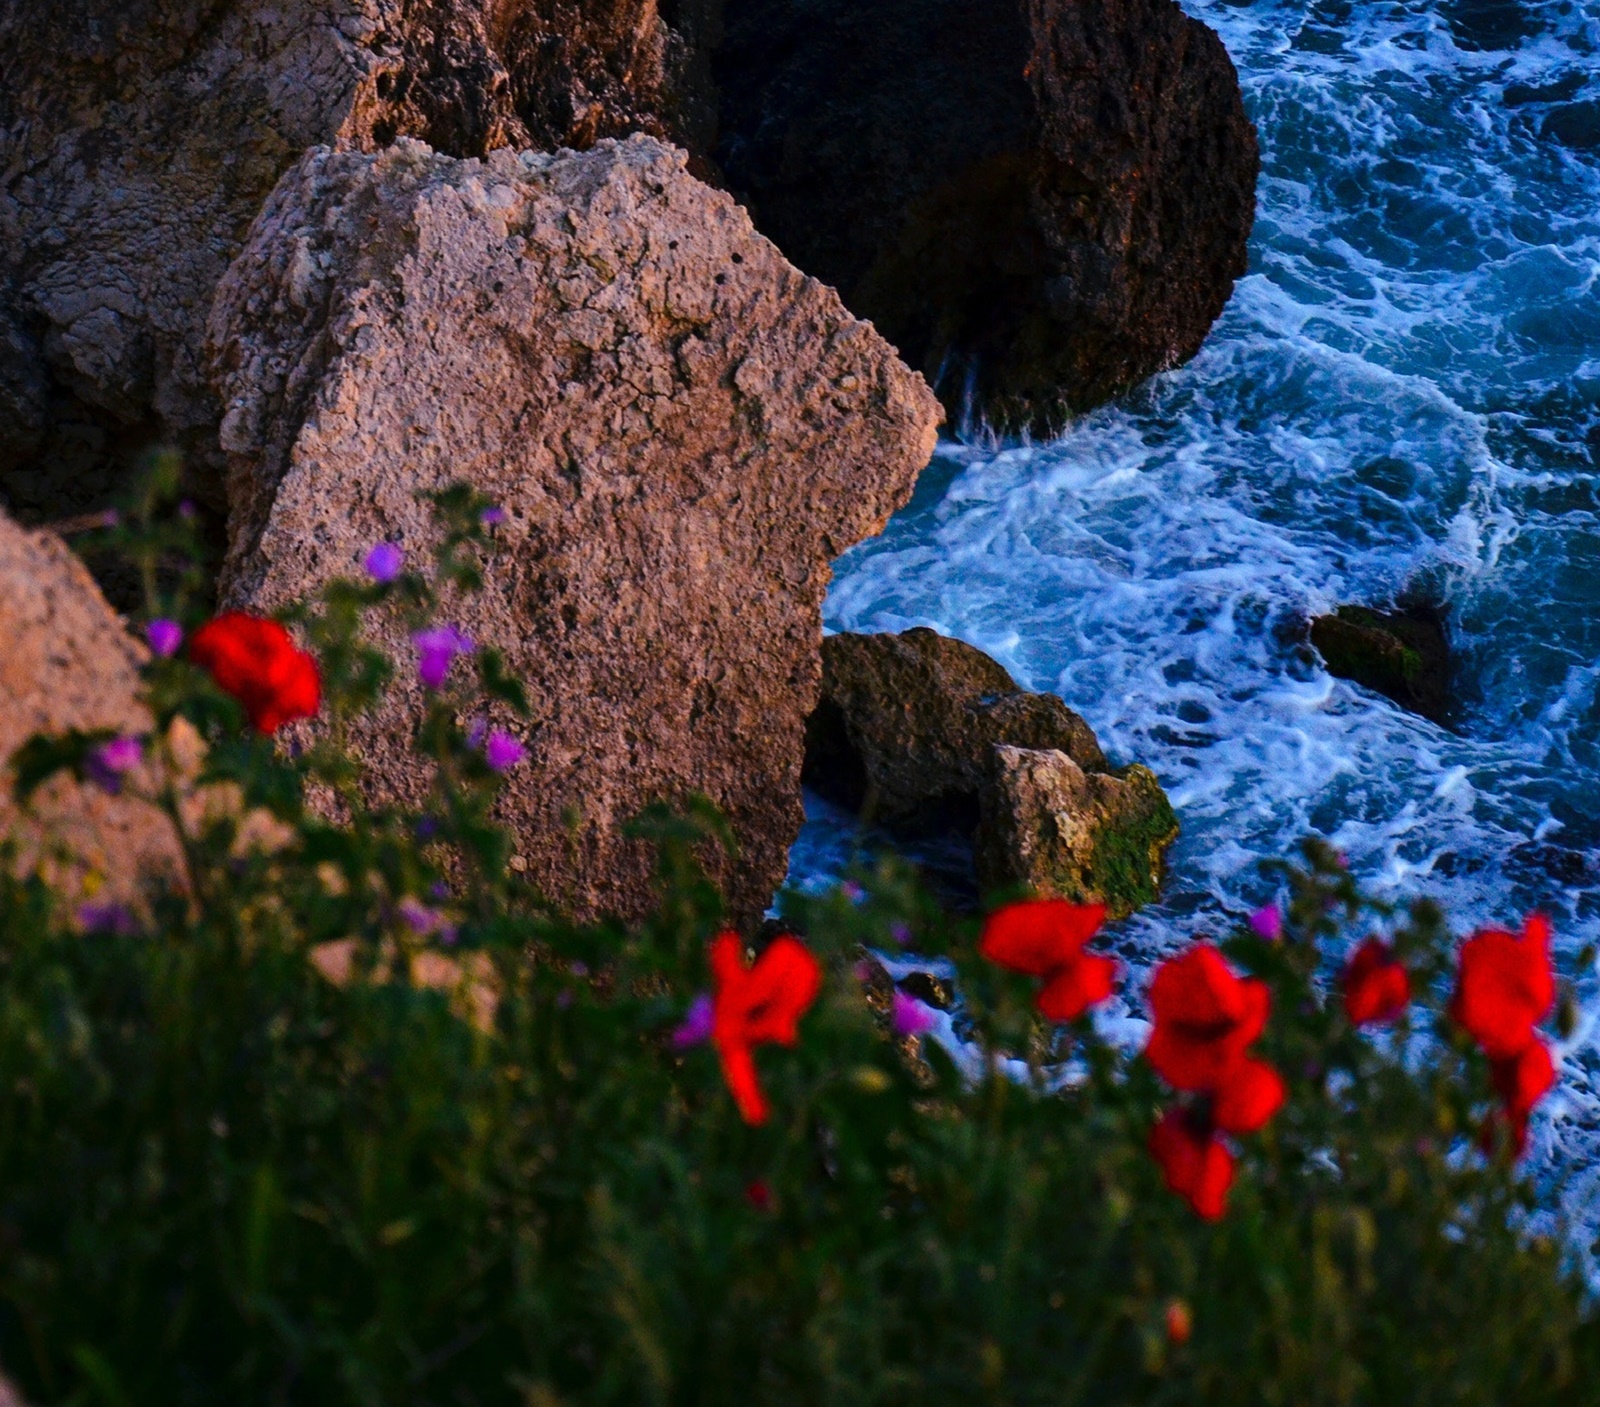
(139, 138)
(683, 432)
(1403, 655)
(1039, 204)
(68, 664)
(923, 733)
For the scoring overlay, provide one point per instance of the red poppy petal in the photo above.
(1074, 988)
(1524, 1079)
(1038, 935)
(1196, 1165)
(779, 990)
(1248, 1097)
(739, 1070)
(1376, 986)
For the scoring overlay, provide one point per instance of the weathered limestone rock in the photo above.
(924, 733)
(1049, 827)
(906, 722)
(1039, 202)
(69, 663)
(138, 139)
(683, 430)
(1401, 654)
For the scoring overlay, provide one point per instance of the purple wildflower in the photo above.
(385, 562)
(186, 509)
(115, 920)
(909, 1017)
(852, 891)
(475, 731)
(492, 516)
(419, 918)
(900, 932)
(109, 764)
(439, 890)
(696, 1027)
(437, 648)
(164, 636)
(111, 518)
(503, 752)
(427, 827)
(1268, 922)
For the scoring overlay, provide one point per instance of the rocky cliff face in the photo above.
(683, 430)
(1039, 202)
(139, 139)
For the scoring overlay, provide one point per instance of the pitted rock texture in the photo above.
(1049, 828)
(683, 430)
(1039, 202)
(69, 663)
(926, 734)
(138, 140)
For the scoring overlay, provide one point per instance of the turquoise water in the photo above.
(1404, 392)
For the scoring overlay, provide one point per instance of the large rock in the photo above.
(1039, 202)
(905, 724)
(68, 663)
(683, 430)
(1048, 827)
(923, 733)
(139, 138)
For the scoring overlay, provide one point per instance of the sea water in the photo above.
(1403, 395)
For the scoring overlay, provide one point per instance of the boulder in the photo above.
(683, 431)
(70, 664)
(1039, 202)
(1050, 828)
(926, 734)
(1403, 654)
(905, 724)
(138, 140)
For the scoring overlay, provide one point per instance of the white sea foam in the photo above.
(1404, 391)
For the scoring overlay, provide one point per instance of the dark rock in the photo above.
(1401, 654)
(1038, 201)
(905, 723)
(924, 734)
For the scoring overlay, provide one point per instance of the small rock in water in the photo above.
(1402, 655)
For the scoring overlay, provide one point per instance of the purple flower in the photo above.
(419, 918)
(186, 509)
(437, 648)
(427, 827)
(107, 765)
(439, 890)
(1268, 922)
(900, 932)
(493, 516)
(476, 730)
(385, 562)
(164, 636)
(503, 752)
(111, 518)
(696, 1027)
(909, 1017)
(116, 920)
(852, 891)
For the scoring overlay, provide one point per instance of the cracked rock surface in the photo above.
(684, 431)
(139, 138)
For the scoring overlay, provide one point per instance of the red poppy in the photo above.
(1248, 1097)
(1377, 987)
(1505, 987)
(1194, 1161)
(1205, 1016)
(255, 660)
(1045, 938)
(1523, 1080)
(755, 1005)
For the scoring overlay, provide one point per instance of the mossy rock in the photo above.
(1049, 827)
(1403, 655)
